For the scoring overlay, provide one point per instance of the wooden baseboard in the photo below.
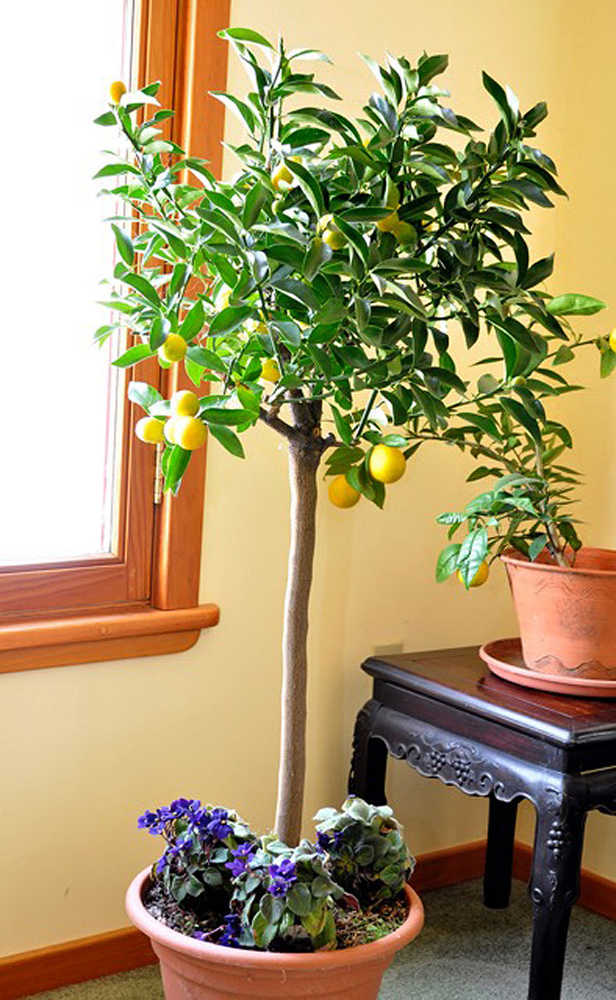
(119, 951)
(449, 866)
(73, 962)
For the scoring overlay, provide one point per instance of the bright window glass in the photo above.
(59, 401)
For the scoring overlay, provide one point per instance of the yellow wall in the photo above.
(85, 749)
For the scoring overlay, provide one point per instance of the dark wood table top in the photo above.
(458, 677)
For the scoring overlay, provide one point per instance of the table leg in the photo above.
(499, 854)
(554, 888)
(369, 762)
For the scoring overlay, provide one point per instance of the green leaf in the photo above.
(143, 286)
(229, 319)
(175, 468)
(144, 395)
(343, 426)
(299, 900)
(521, 414)
(608, 363)
(431, 66)
(497, 93)
(309, 185)
(113, 169)
(239, 109)
(124, 244)
(108, 118)
(192, 322)
(245, 35)
(219, 415)
(473, 551)
(354, 236)
(574, 304)
(318, 253)
(537, 546)
(134, 354)
(228, 440)
(158, 146)
(205, 358)
(539, 271)
(255, 200)
(447, 562)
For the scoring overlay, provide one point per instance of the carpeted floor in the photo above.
(464, 953)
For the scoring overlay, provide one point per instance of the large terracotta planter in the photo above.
(567, 616)
(194, 970)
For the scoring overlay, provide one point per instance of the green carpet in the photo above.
(464, 953)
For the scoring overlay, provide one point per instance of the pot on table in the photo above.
(567, 615)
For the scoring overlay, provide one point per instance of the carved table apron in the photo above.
(449, 719)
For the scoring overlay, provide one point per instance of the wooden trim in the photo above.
(74, 962)
(87, 638)
(198, 126)
(120, 951)
(97, 651)
(449, 866)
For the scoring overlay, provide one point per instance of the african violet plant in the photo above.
(330, 289)
(240, 890)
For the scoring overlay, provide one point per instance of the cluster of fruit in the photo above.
(386, 465)
(183, 427)
(282, 181)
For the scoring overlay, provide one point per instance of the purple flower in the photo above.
(230, 935)
(217, 825)
(283, 876)
(241, 856)
(199, 935)
(325, 842)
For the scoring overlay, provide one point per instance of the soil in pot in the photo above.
(353, 926)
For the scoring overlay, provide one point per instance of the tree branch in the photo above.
(273, 421)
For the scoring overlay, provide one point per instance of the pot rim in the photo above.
(202, 950)
(513, 558)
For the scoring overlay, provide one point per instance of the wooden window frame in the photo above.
(144, 600)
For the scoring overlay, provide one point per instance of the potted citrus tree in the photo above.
(317, 292)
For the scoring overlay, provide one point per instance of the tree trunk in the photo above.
(303, 464)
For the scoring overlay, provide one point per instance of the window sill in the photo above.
(31, 644)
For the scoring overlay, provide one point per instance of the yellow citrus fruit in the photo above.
(480, 576)
(334, 238)
(150, 430)
(270, 370)
(387, 464)
(169, 430)
(173, 349)
(189, 432)
(282, 178)
(404, 232)
(117, 91)
(389, 223)
(612, 340)
(341, 493)
(184, 403)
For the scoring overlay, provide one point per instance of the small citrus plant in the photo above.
(329, 291)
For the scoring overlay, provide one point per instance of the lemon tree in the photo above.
(329, 291)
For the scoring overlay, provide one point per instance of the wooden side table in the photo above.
(450, 719)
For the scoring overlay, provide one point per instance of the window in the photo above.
(86, 558)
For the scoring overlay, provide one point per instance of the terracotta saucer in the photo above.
(504, 658)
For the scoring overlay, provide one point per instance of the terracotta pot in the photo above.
(194, 970)
(567, 615)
